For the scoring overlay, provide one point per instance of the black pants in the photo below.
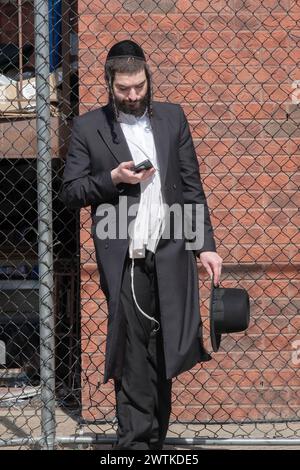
(143, 394)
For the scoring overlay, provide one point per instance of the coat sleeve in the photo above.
(192, 186)
(80, 188)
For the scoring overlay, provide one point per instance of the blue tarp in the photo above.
(55, 33)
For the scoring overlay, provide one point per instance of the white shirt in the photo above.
(149, 222)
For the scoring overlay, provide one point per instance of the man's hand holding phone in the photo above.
(145, 165)
(128, 172)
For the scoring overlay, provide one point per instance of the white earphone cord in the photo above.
(134, 297)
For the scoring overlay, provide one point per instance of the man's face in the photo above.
(130, 91)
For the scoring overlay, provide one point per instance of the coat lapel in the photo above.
(161, 139)
(111, 133)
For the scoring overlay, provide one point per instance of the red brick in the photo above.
(92, 309)
(87, 255)
(285, 163)
(91, 361)
(89, 272)
(91, 327)
(204, 7)
(85, 218)
(93, 413)
(90, 344)
(86, 240)
(286, 199)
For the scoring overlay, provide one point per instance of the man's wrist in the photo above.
(115, 176)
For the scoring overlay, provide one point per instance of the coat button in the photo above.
(174, 186)
(106, 245)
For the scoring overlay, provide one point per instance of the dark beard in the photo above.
(133, 110)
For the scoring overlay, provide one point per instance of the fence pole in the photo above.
(44, 180)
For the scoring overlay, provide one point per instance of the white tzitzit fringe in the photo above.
(134, 298)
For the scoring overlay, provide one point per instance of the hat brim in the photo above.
(215, 338)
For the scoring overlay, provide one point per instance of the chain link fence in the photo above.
(234, 67)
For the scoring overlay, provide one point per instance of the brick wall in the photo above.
(231, 66)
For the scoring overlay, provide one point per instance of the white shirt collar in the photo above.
(131, 119)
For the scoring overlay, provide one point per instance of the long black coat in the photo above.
(97, 146)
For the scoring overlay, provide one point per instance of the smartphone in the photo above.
(145, 165)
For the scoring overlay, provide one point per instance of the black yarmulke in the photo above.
(126, 48)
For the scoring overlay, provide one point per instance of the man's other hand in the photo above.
(212, 262)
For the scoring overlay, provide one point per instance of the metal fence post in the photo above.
(45, 250)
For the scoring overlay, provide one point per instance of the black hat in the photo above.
(229, 312)
(126, 48)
